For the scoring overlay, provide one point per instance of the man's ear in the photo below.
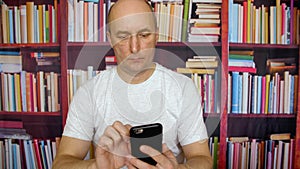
(109, 38)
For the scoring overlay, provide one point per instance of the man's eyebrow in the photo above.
(122, 32)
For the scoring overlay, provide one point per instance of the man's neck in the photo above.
(136, 78)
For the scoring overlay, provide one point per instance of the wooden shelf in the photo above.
(7, 113)
(159, 44)
(30, 45)
(255, 46)
(261, 115)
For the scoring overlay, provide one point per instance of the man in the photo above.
(137, 92)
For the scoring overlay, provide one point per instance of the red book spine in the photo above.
(245, 21)
(37, 153)
(241, 69)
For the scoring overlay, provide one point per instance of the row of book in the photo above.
(169, 19)
(261, 24)
(27, 153)
(257, 153)
(29, 23)
(77, 77)
(29, 92)
(269, 94)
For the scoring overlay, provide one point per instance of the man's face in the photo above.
(133, 38)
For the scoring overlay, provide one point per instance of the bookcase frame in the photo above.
(64, 45)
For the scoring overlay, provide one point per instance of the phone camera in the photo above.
(138, 131)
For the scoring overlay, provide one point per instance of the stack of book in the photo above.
(46, 58)
(110, 62)
(281, 65)
(241, 61)
(205, 21)
(202, 70)
(10, 61)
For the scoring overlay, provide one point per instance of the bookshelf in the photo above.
(40, 124)
(79, 55)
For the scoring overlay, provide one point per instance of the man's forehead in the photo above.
(137, 21)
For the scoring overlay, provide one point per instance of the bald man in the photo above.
(138, 91)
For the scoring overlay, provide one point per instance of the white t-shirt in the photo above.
(166, 97)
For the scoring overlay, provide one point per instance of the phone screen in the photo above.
(151, 135)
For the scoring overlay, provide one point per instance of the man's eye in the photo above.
(123, 36)
(144, 35)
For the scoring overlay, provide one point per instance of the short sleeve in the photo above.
(191, 127)
(80, 121)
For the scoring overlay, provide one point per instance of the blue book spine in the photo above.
(230, 21)
(235, 22)
(13, 93)
(9, 53)
(23, 90)
(43, 153)
(11, 26)
(271, 97)
(240, 97)
(27, 153)
(32, 161)
(292, 95)
(258, 107)
(216, 94)
(15, 162)
(235, 92)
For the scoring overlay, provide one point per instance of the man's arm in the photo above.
(71, 153)
(197, 155)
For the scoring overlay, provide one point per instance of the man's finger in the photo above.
(156, 155)
(167, 152)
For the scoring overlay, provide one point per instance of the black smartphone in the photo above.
(151, 135)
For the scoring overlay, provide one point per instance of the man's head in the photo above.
(132, 34)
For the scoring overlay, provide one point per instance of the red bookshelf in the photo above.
(50, 124)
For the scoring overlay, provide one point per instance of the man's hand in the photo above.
(113, 147)
(164, 160)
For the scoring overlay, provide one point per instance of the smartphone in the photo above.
(151, 135)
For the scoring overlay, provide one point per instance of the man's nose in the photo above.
(134, 44)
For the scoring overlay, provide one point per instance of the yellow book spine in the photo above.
(40, 18)
(266, 27)
(267, 93)
(30, 21)
(18, 92)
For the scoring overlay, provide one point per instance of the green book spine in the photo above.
(215, 154)
(185, 20)
(241, 57)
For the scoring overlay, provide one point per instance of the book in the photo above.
(198, 71)
(280, 136)
(200, 64)
(238, 139)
